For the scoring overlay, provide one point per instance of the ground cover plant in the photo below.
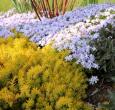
(32, 78)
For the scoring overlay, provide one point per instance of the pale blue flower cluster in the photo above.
(78, 37)
(5, 32)
(79, 49)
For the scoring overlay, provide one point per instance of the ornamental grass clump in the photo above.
(51, 8)
(39, 79)
(22, 5)
(47, 8)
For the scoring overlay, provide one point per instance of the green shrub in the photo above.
(105, 45)
(39, 79)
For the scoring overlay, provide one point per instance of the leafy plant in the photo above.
(32, 78)
(105, 45)
(111, 104)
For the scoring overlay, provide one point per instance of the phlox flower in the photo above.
(93, 80)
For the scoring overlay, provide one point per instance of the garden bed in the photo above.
(73, 52)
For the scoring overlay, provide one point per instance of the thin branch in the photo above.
(33, 3)
(64, 6)
(44, 8)
(56, 8)
(48, 7)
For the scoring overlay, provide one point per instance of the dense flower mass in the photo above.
(77, 37)
(39, 79)
(72, 31)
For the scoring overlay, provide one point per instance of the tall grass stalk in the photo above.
(21, 5)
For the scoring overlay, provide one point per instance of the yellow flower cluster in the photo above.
(39, 79)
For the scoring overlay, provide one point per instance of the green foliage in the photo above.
(39, 79)
(22, 5)
(111, 96)
(5, 5)
(105, 45)
(111, 105)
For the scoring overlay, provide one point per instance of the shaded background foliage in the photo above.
(105, 54)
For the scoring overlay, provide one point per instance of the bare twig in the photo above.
(34, 5)
(49, 9)
(44, 8)
(64, 6)
(56, 8)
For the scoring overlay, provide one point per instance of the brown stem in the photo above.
(40, 8)
(48, 7)
(56, 8)
(44, 8)
(64, 6)
(53, 8)
(33, 3)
